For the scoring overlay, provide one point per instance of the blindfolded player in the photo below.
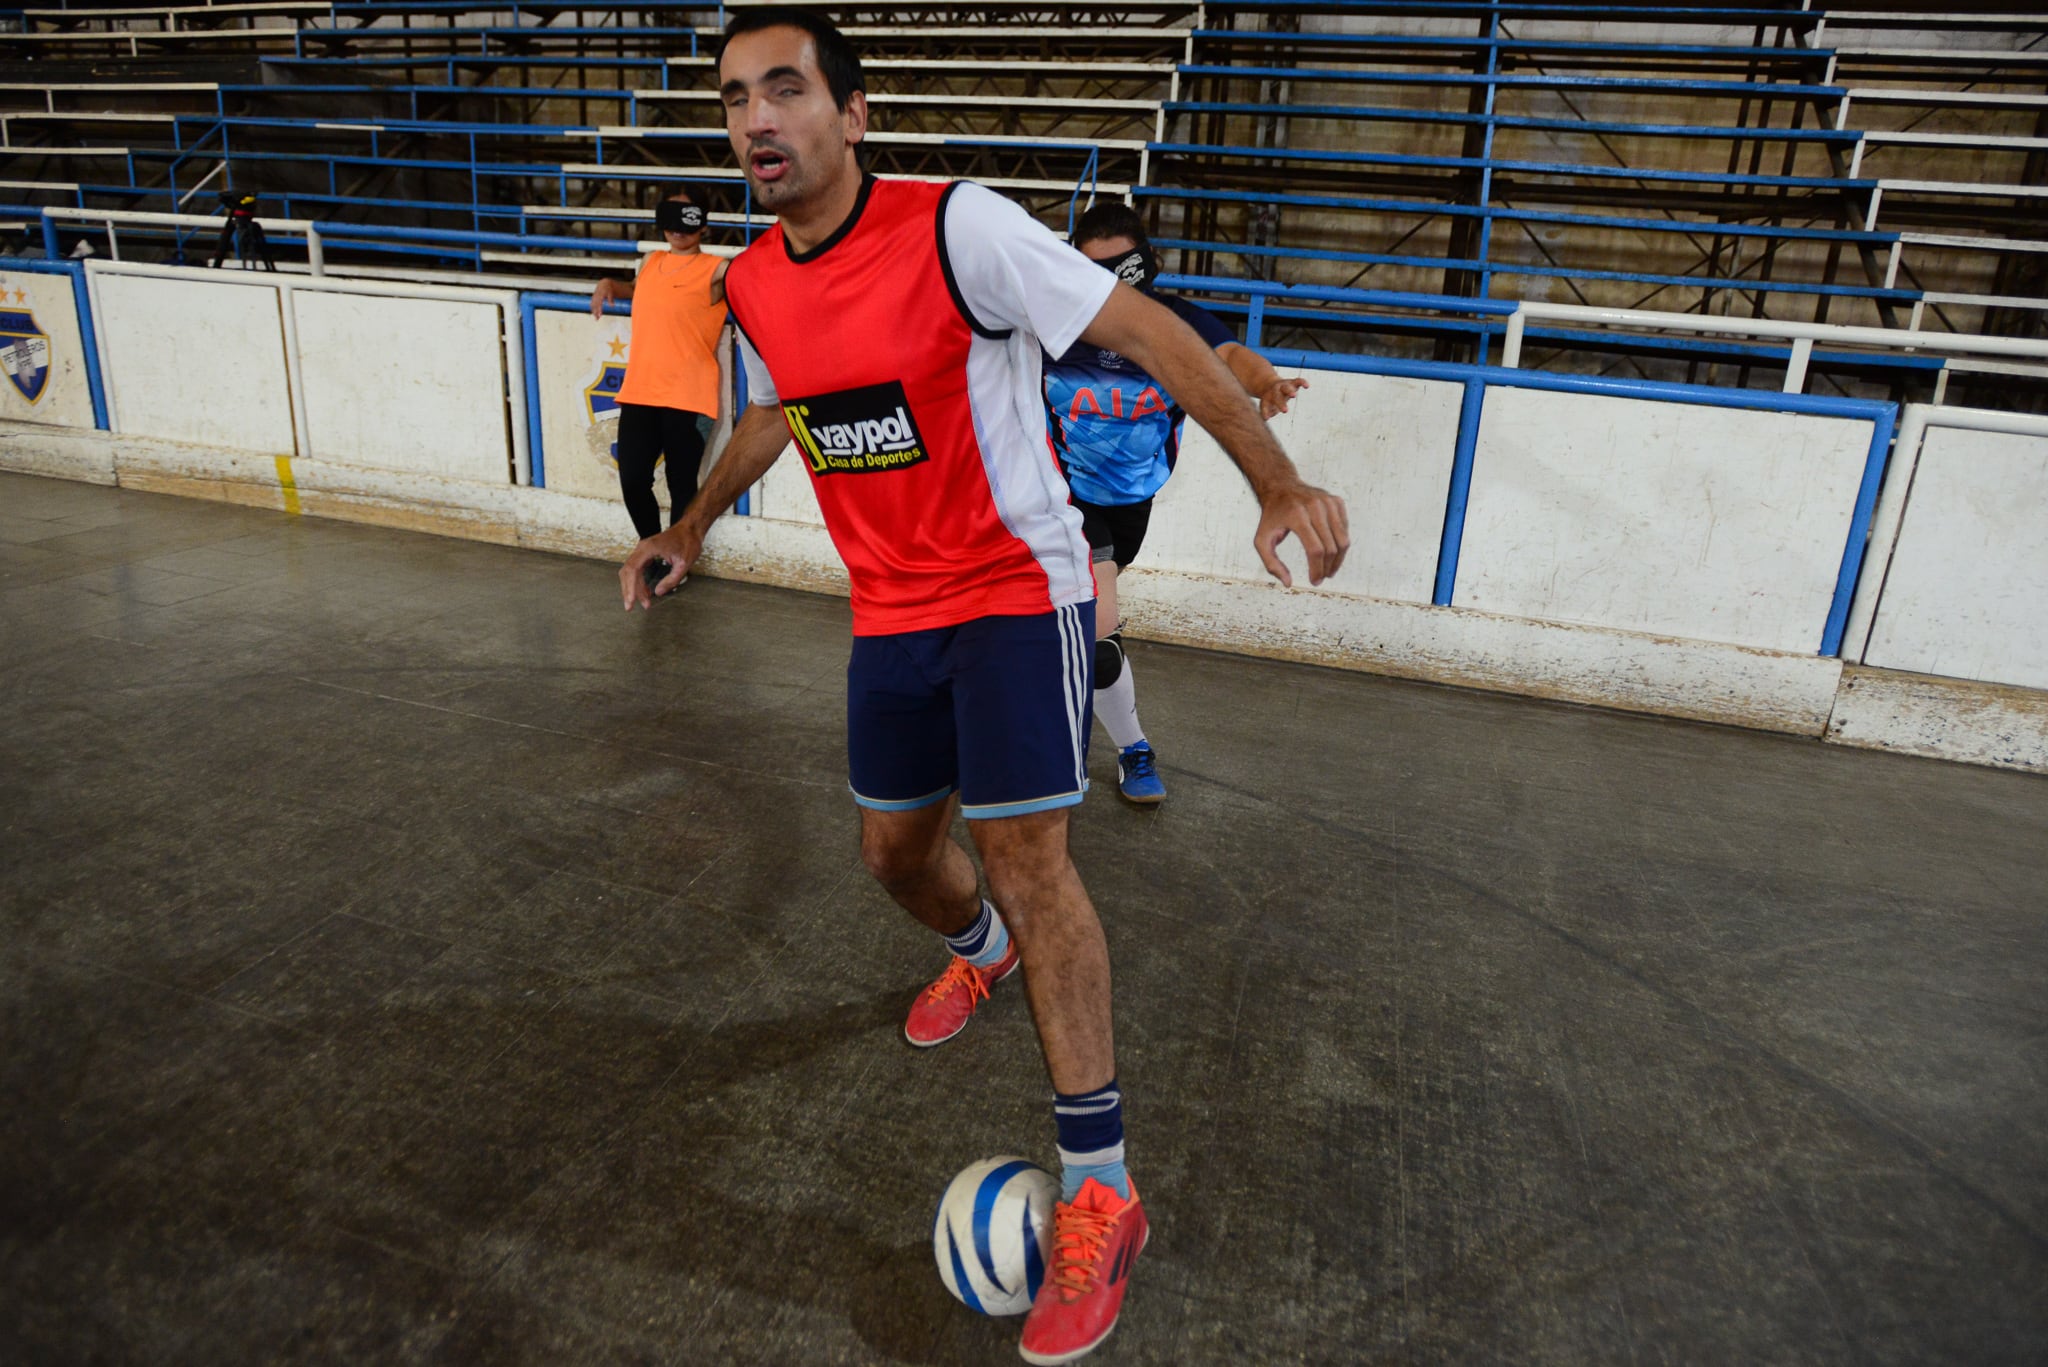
(670, 396)
(1117, 432)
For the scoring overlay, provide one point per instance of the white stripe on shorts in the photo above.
(1076, 686)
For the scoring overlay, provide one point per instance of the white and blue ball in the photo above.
(994, 1232)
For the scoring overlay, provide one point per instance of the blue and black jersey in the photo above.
(1115, 430)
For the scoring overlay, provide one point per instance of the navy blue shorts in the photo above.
(997, 709)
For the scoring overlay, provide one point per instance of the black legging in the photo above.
(646, 434)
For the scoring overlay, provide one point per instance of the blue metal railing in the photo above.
(1475, 379)
(1089, 177)
(1476, 317)
(1512, 9)
(1478, 209)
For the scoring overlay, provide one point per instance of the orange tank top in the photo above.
(674, 358)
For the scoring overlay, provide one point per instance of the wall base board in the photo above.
(754, 550)
(1699, 680)
(60, 452)
(1958, 719)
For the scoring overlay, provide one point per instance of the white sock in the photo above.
(984, 943)
(1117, 706)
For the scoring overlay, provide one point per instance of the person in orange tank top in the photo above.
(669, 400)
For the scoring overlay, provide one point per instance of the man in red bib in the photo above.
(894, 331)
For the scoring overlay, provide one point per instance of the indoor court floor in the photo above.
(409, 957)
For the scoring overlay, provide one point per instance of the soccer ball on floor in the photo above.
(993, 1234)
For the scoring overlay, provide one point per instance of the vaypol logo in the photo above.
(24, 353)
(856, 431)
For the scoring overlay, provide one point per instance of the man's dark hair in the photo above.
(1111, 218)
(836, 57)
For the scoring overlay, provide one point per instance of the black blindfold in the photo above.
(1137, 268)
(672, 216)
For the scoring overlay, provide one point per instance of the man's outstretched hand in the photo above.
(1316, 516)
(678, 546)
(1278, 395)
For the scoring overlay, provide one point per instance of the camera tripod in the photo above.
(241, 236)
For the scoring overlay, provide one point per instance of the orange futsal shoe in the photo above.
(942, 1010)
(1094, 1242)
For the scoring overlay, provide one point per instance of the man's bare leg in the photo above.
(931, 877)
(1099, 1226)
(914, 859)
(1066, 957)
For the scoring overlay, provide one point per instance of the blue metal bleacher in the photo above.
(1468, 152)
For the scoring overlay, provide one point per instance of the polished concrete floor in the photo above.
(406, 956)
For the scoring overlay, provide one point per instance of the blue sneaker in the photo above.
(1137, 775)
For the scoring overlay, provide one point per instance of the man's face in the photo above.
(790, 137)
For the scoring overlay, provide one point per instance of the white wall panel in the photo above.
(577, 431)
(786, 493)
(1967, 592)
(405, 384)
(42, 357)
(199, 361)
(1384, 444)
(1714, 524)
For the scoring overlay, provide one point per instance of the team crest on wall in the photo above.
(601, 396)
(24, 353)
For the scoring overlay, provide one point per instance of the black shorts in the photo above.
(1114, 531)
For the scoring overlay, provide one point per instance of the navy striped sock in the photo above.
(1091, 1126)
(984, 943)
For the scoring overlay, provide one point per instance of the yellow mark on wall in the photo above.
(288, 484)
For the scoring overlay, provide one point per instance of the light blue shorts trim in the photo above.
(996, 810)
(997, 708)
(874, 804)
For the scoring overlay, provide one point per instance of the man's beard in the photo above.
(778, 193)
(790, 188)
